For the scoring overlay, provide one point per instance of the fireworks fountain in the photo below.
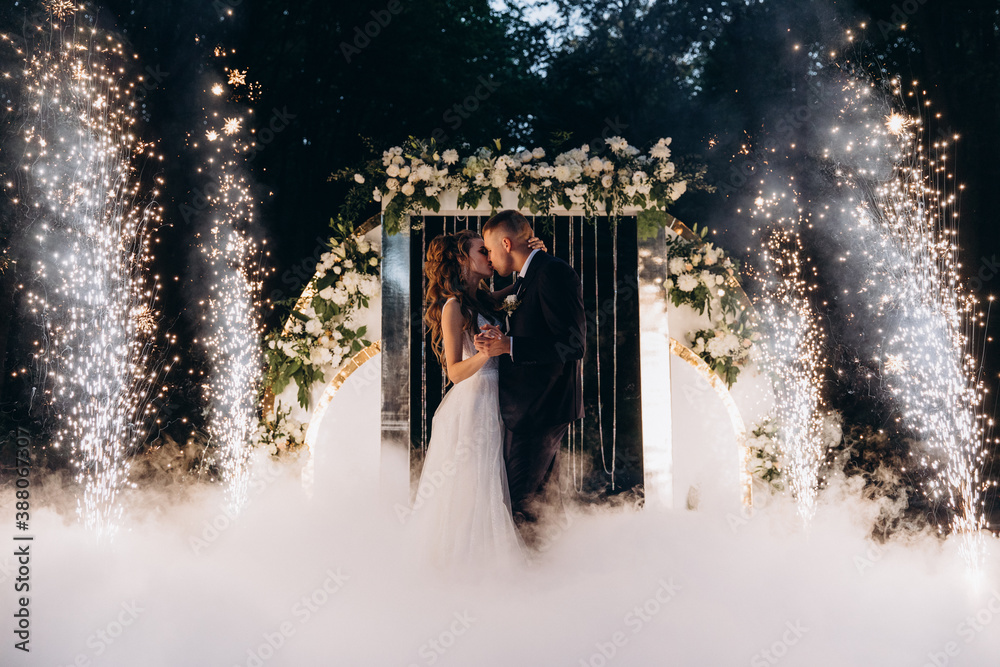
(233, 305)
(899, 207)
(792, 350)
(85, 207)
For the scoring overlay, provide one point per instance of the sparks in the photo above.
(897, 123)
(217, 89)
(237, 78)
(94, 300)
(61, 8)
(232, 125)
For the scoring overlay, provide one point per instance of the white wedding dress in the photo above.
(461, 514)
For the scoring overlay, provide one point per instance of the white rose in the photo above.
(392, 171)
(538, 153)
(562, 173)
(313, 327)
(525, 156)
(377, 194)
(677, 189)
(359, 178)
(404, 171)
(607, 180)
(408, 189)
(373, 261)
(326, 293)
(392, 184)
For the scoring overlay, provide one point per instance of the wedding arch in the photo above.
(668, 412)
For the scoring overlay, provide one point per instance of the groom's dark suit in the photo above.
(541, 389)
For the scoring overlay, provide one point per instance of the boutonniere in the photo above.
(510, 304)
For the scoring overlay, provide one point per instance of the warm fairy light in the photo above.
(97, 307)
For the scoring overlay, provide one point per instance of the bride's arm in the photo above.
(451, 332)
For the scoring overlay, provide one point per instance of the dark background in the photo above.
(717, 76)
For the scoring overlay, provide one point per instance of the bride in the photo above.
(461, 511)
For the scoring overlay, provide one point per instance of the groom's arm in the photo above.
(561, 301)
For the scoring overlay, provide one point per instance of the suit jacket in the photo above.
(541, 386)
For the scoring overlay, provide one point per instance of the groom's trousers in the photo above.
(532, 459)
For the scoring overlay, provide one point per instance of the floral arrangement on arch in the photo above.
(410, 177)
(765, 460)
(319, 333)
(282, 435)
(705, 278)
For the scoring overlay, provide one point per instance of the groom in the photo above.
(541, 390)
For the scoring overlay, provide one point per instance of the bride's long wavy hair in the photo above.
(447, 257)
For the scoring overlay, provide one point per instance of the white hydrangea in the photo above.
(717, 348)
(661, 151)
(424, 172)
(686, 282)
(677, 189)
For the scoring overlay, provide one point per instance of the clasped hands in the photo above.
(491, 341)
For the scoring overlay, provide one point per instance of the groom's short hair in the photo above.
(510, 223)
